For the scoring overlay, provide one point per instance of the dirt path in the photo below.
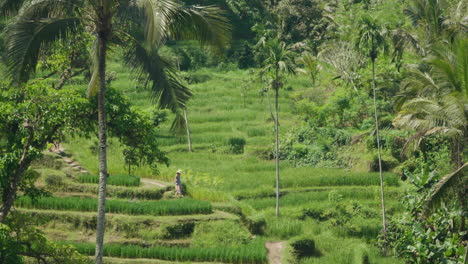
(274, 251)
(73, 164)
(152, 183)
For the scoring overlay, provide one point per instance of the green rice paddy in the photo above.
(236, 184)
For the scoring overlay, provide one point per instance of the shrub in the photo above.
(314, 213)
(303, 247)
(196, 77)
(49, 161)
(178, 230)
(255, 224)
(387, 165)
(236, 145)
(54, 180)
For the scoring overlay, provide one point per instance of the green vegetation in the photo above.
(118, 180)
(253, 252)
(213, 234)
(172, 207)
(359, 106)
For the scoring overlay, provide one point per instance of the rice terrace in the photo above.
(233, 131)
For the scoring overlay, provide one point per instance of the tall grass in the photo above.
(283, 228)
(322, 196)
(118, 179)
(254, 252)
(335, 177)
(184, 206)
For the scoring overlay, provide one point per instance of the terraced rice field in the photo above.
(338, 209)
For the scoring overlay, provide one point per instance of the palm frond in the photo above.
(24, 40)
(207, 24)
(168, 91)
(450, 186)
(446, 116)
(165, 19)
(10, 7)
(178, 125)
(40, 9)
(450, 63)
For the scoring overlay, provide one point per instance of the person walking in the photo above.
(178, 183)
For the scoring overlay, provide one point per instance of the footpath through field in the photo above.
(275, 249)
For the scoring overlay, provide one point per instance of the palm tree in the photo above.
(434, 101)
(372, 41)
(427, 14)
(432, 25)
(137, 26)
(311, 66)
(280, 62)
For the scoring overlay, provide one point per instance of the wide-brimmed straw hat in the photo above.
(179, 171)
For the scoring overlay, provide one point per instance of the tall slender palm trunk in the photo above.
(277, 151)
(101, 217)
(379, 151)
(187, 127)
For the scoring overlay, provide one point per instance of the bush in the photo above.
(54, 180)
(49, 161)
(255, 224)
(196, 77)
(178, 230)
(236, 145)
(303, 247)
(314, 213)
(387, 165)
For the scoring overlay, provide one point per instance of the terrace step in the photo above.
(152, 183)
(151, 220)
(110, 260)
(68, 160)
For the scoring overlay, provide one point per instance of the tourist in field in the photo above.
(178, 184)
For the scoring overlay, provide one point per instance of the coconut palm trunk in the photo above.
(276, 87)
(379, 151)
(101, 217)
(187, 128)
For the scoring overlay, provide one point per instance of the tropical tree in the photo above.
(431, 25)
(433, 101)
(139, 27)
(344, 58)
(278, 64)
(371, 41)
(311, 66)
